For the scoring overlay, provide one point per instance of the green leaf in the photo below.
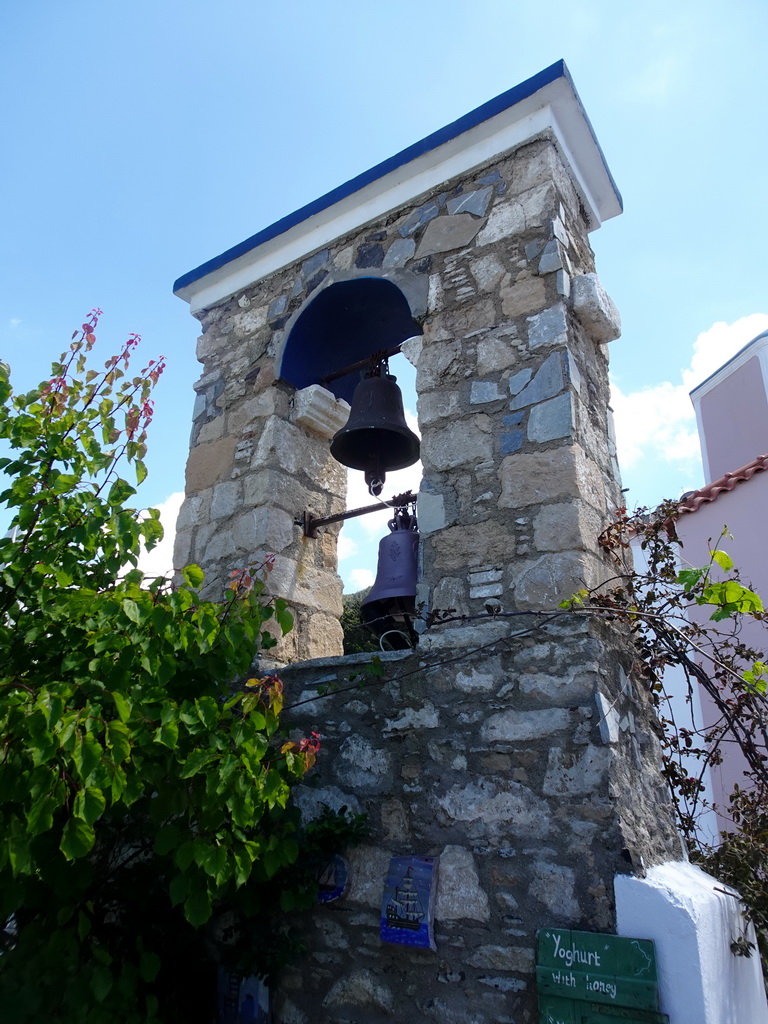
(77, 839)
(193, 575)
(131, 609)
(149, 966)
(179, 889)
(723, 560)
(40, 815)
(90, 804)
(86, 754)
(123, 706)
(197, 908)
(197, 761)
(101, 982)
(119, 493)
(119, 741)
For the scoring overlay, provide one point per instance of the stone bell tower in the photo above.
(514, 743)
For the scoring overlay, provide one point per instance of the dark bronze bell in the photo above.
(376, 437)
(390, 607)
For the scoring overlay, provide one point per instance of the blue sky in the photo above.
(142, 139)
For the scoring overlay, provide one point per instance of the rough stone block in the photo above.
(460, 443)
(487, 272)
(399, 253)
(499, 807)
(226, 500)
(608, 722)
(486, 590)
(567, 526)
(264, 528)
(551, 420)
(496, 352)
(369, 255)
(524, 296)
(419, 218)
(484, 391)
(437, 405)
(511, 441)
(549, 327)
(277, 307)
(431, 512)
(319, 411)
(547, 476)
(460, 896)
(361, 988)
(211, 431)
(475, 680)
(194, 510)
(551, 258)
(505, 219)
(547, 383)
(209, 463)
(244, 415)
(474, 543)
(364, 767)
(553, 578)
(274, 487)
(311, 799)
(519, 380)
(250, 321)
(314, 263)
(412, 720)
(510, 727)
(302, 584)
(537, 205)
(502, 958)
(553, 885)
(594, 308)
(475, 202)
(324, 635)
(571, 775)
(446, 233)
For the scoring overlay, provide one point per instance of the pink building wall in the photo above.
(732, 415)
(743, 512)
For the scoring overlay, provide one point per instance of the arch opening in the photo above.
(345, 323)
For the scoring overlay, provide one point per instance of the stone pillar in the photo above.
(259, 457)
(519, 471)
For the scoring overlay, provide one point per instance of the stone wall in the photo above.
(517, 748)
(527, 767)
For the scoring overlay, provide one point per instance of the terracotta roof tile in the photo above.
(729, 482)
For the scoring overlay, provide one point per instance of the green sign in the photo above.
(590, 978)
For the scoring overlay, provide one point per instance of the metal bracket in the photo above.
(310, 523)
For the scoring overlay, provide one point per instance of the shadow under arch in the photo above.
(345, 322)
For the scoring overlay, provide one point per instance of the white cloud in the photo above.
(347, 547)
(14, 322)
(360, 579)
(159, 561)
(658, 423)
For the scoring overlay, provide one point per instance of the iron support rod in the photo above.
(311, 523)
(361, 364)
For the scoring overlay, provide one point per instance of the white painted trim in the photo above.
(758, 346)
(554, 108)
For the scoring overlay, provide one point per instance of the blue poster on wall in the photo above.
(407, 909)
(242, 1000)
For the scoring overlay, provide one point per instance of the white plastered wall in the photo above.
(693, 922)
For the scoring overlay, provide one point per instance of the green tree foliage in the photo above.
(655, 601)
(144, 795)
(358, 638)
